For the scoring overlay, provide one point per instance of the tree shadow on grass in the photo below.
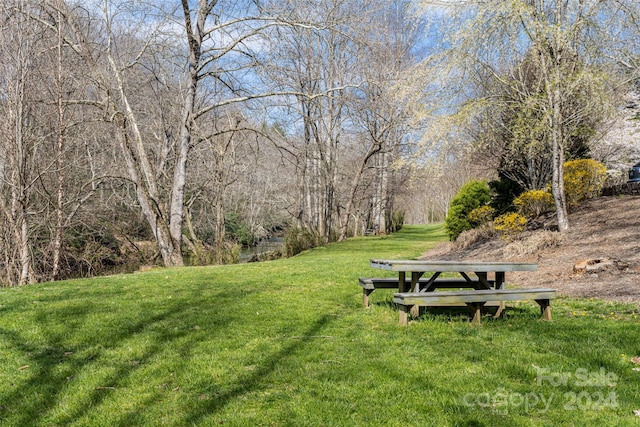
(254, 380)
(80, 368)
(55, 360)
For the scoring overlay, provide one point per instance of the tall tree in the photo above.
(45, 165)
(20, 49)
(512, 133)
(338, 139)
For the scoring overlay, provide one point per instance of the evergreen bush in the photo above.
(472, 195)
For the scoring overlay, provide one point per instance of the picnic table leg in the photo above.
(431, 283)
(499, 284)
(402, 284)
(476, 309)
(365, 297)
(545, 308)
(415, 311)
(415, 278)
(402, 314)
(482, 280)
(499, 280)
(415, 287)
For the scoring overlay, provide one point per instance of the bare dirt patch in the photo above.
(602, 228)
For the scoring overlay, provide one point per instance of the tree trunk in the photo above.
(557, 184)
(19, 191)
(59, 218)
(219, 225)
(554, 79)
(381, 197)
(344, 227)
(149, 205)
(142, 174)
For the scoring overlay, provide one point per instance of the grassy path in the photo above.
(288, 343)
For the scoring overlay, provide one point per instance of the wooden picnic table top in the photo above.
(453, 266)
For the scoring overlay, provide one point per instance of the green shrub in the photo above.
(583, 179)
(472, 195)
(510, 225)
(297, 240)
(534, 203)
(238, 230)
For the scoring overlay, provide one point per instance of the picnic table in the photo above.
(486, 281)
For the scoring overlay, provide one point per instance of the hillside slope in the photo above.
(606, 227)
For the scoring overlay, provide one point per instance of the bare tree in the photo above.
(297, 64)
(388, 107)
(155, 137)
(44, 176)
(19, 52)
(222, 153)
(73, 180)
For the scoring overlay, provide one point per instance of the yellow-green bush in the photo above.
(510, 225)
(534, 203)
(481, 215)
(583, 179)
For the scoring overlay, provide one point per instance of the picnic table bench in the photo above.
(370, 284)
(474, 299)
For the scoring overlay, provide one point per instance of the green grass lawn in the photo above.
(288, 343)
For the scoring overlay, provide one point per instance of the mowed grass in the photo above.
(288, 343)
